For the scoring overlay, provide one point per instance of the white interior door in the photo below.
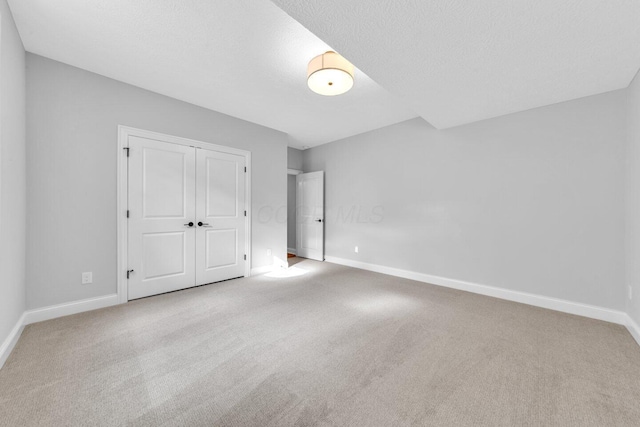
(221, 216)
(161, 205)
(310, 215)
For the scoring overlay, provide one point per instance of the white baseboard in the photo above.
(66, 309)
(633, 327)
(291, 251)
(565, 306)
(9, 343)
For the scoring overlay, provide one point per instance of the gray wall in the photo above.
(12, 175)
(294, 158)
(72, 119)
(529, 202)
(633, 198)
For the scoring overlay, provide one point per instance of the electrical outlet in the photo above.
(356, 249)
(268, 252)
(630, 291)
(87, 278)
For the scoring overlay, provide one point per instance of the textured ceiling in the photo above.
(449, 61)
(245, 58)
(459, 61)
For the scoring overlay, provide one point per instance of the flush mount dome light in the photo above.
(330, 74)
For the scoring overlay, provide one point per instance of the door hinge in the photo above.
(127, 213)
(127, 150)
(245, 169)
(129, 273)
(245, 257)
(245, 213)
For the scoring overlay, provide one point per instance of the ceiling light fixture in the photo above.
(330, 74)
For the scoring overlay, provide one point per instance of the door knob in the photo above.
(200, 224)
(190, 224)
(318, 220)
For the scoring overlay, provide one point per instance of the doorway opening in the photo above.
(305, 216)
(291, 213)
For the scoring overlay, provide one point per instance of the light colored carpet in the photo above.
(335, 346)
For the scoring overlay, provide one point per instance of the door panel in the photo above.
(220, 207)
(310, 215)
(222, 248)
(164, 183)
(161, 201)
(221, 187)
(163, 254)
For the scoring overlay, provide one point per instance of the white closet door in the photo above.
(220, 213)
(310, 215)
(161, 205)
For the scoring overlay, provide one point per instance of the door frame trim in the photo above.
(124, 132)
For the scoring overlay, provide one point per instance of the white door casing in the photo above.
(161, 204)
(220, 216)
(165, 211)
(310, 215)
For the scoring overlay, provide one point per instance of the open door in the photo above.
(310, 215)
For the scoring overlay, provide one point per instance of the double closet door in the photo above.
(187, 217)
